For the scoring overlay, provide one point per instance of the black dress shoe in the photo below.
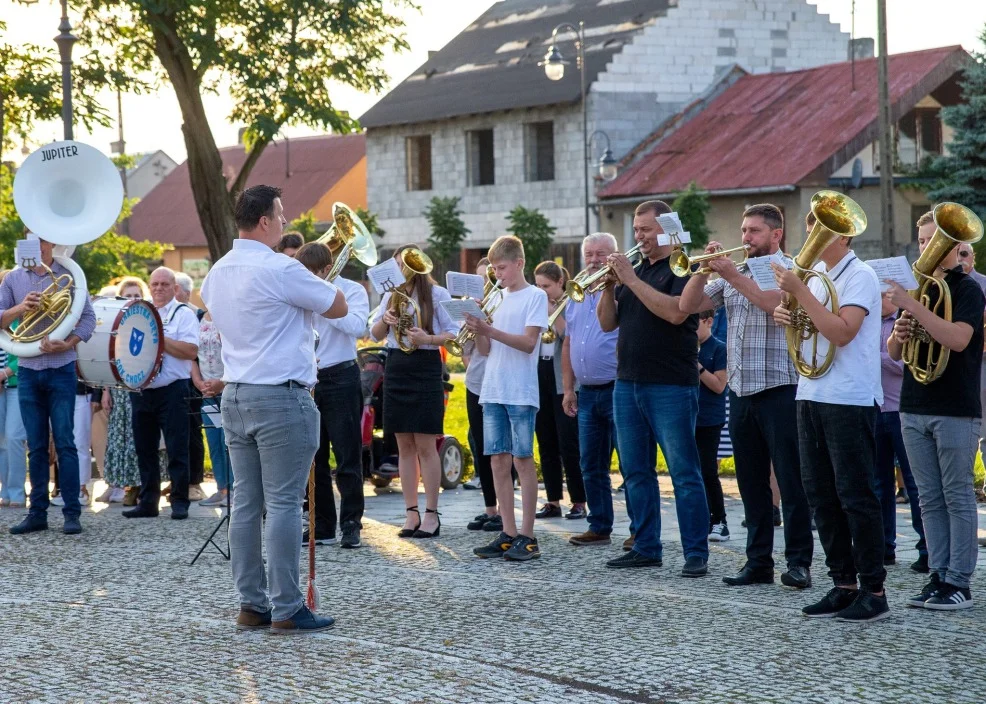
(549, 511)
(139, 512)
(750, 575)
(179, 513)
(635, 559)
(695, 567)
(797, 576)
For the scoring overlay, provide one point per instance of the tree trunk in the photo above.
(205, 167)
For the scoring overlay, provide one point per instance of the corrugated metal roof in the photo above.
(782, 129)
(492, 64)
(168, 214)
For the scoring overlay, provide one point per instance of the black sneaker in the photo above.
(635, 559)
(350, 537)
(866, 607)
(478, 522)
(494, 525)
(495, 548)
(319, 539)
(695, 567)
(523, 549)
(719, 533)
(950, 598)
(29, 525)
(920, 565)
(928, 591)
(832, 603)
(889, 558)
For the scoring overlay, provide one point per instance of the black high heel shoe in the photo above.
(409, 532)
(423, 534)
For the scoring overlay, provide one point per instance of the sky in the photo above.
(154, 121)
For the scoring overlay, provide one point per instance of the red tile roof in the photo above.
(168, 214)
(782, 129)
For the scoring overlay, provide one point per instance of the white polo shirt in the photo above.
(263, 304)
(854, 377)
(337, 337)
(180, 324)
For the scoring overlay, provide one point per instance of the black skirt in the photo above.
(413, 393)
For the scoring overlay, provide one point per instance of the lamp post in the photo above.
(65, 40)
(554, 68)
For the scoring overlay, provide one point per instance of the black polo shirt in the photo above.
(956, 392)
(650, 349)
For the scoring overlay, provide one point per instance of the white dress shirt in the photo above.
(263, 303)
(441, 321)
(182, 325)
(337, 337)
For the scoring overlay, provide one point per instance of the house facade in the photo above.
(481, 121)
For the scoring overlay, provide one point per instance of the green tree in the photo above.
(447, 228)
(278, 62)
(692, 206)
(961, 175)
(304, 225)
(535, 231)
(370, 220)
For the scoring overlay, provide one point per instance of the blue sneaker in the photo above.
(30, 524)
(303, 621)
(73, 526)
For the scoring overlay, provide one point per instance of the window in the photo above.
(918, 136)
(479, 157)
(539, 151)
(418, 150)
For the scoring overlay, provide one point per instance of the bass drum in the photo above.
(127, 346)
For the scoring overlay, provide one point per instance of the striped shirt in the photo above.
(756, 346)
(14, 289)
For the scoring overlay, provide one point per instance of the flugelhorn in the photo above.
(681, 263)
(954, 224)
(413, 262)
(577, 290)
(347, 238)
(836, 216)
(492, 298)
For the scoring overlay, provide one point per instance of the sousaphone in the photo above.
(66, 193)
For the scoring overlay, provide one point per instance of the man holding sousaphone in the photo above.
(939, 336)
(833, 313)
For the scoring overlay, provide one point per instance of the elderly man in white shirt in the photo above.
(263, 304)
(162, 407)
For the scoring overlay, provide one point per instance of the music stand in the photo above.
(225, 518)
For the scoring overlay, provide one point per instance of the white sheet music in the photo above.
(679, 237)
(465, 285)
(896, 269)
(28, 253)
(762, 272)
(457, 308)
(386, 276)
(670, 222)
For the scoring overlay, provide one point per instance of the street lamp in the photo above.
(554, 68)
(65, 40)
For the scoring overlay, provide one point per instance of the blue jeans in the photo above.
(890, 444)
(47, 397)
(597, 436)
(216, 438)
(648, 415)
(13, 448)
(272, 433)
(508, 430)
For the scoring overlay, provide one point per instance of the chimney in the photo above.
(864, 48)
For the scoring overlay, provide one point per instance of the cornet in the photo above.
(681, 263)
(577, 290)
(492, 298)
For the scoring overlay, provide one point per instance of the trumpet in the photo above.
(413, 262)
(492, 297)
(549, 336)
(681, 263)
(577, 289)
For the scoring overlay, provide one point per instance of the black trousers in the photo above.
(838, 453)
(155, 411)
(707, 440)
(339, 397)
(484, 467)
(196, 448)
(762, 429)
(558, 440)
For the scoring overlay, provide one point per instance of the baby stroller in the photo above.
(379, 449)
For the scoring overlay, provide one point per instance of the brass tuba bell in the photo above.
(346, 238)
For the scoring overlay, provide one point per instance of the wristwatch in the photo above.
(700, 370)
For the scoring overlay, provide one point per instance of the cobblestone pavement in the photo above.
(118, 615)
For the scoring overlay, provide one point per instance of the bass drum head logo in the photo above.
(139, 339)
(136, 341)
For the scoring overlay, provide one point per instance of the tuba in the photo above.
(347, 238)
(954, 224)
(67, 193)
(492, 298)
(414, 262)
(836, 216)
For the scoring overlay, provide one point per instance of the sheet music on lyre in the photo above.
(895, 269)
(465, 285)
(28, 253)
(762, 272)
(457, 308)
(386, 276)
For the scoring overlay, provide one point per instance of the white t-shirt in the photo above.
(511, 376)
(854, 377)
(337, 336)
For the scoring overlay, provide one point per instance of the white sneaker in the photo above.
(84, 498)
(719, 533)
(117, 496)
(56, 500)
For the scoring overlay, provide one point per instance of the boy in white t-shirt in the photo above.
(837, 431)
(510, 396)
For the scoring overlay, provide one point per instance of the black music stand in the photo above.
(222, 521)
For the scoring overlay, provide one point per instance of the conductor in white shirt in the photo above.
(263, 304)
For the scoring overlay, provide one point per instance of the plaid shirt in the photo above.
(16, 285)
(756, 346)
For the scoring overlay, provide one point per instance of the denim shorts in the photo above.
(508, 430)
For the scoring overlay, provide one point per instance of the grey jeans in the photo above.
(942, 451)
(272, 435)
